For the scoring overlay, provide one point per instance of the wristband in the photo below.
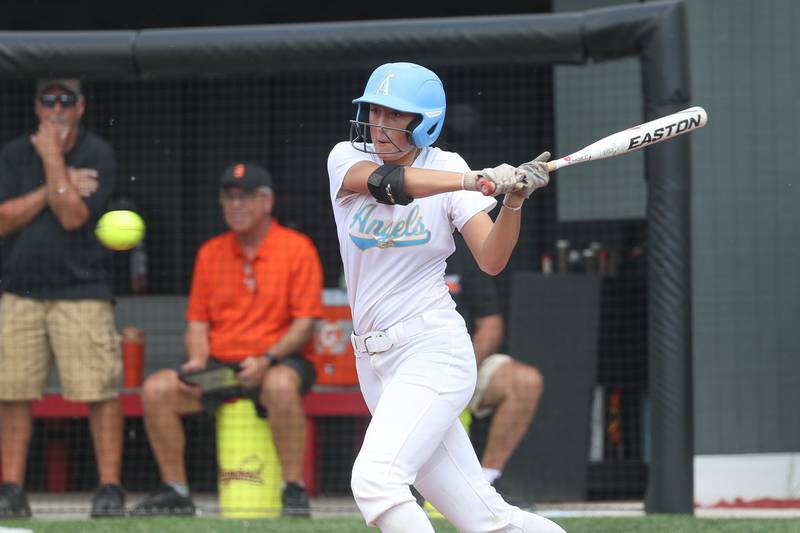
(469, 181)
(272, 360)
(510, 207)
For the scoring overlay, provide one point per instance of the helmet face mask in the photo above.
(404, 87)
(361, 139)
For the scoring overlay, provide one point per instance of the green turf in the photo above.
(646, 524)
(679, 524)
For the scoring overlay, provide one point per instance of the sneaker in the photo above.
(164, 501)
(108, 501)
(295, 501)
(13, 502)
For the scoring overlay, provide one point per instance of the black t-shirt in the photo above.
(471, 288)
(43, 260)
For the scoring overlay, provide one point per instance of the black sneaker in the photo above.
(164, 501)
(13, 502)
(295, 501)
(108, 501)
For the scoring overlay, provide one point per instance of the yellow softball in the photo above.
(120, 230)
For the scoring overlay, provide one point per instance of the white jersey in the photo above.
(394, 256)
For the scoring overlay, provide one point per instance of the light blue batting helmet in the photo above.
(409, 88)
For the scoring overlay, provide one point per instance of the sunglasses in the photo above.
(50, 100)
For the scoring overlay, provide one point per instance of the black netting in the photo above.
(174, 138)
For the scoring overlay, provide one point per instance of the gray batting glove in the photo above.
(534, 174)
(493, 181)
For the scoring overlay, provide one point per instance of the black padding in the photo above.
(551, 461)
(387, 185)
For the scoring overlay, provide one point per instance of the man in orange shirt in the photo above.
(256, 292)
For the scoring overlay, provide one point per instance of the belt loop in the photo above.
(353, 343)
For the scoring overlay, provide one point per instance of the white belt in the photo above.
(379, 341)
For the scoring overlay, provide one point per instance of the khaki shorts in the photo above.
(79, 334)
(485, 372)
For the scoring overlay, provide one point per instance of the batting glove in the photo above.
(534, 174)
(493, 181)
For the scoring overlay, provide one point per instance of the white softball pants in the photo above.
(415, 391)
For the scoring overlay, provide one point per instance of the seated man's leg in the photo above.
(281, 393)
(511, 390)
(165, 400)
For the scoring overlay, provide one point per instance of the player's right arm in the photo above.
(424, 182)
(419, 182)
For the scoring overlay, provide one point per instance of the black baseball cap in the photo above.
(71, 85)
(248, 176)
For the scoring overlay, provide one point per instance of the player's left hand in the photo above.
(252, 373)
(531, 176)
(534, 174)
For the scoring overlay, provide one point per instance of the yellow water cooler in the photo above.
(249, 478)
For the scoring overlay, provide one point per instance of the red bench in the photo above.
(322, 401)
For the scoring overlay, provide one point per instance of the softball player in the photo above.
(397, 201)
